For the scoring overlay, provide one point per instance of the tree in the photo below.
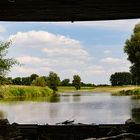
(33, 77)
(39, 81)
(5, 63)
(4, 81)
(9, 79)
(87, 84)
(121, 78)
(76, 81)
(65, 82)
(53, 81)
(26, 81)
(132, 49)
(17, 81)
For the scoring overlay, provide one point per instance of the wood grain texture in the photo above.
(68, 10)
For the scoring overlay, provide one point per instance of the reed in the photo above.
(24, 91)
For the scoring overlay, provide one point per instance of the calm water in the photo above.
(88, 108)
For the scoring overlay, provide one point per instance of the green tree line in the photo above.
(37, 80)
(132, 49)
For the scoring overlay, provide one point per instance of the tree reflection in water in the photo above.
(76, 98)
(35, 99)
(2, 114)
(53, 99)
(135, 113)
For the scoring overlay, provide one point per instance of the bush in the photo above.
(26, 91)
(39, 81)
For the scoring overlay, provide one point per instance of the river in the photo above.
(98, 108)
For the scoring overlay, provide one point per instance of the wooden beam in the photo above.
(68, 10)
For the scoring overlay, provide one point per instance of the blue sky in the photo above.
(94, 50)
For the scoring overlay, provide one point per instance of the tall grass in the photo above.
(24, 91)
(112, 89)
(134, 92)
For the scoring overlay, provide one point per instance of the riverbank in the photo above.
(112, 89)
(12, 91)
(24, 91)
(135, 93)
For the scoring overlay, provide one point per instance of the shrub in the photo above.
(39, 81)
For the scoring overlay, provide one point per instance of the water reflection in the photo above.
(52, 99)
(135, 113)
(49, 99)
(135, 109)
(70, 98)
(76, 98)
(2, 114)
(84, 108)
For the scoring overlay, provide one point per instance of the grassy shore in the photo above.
(24, 91)
(34, 91)
(135, 93)
(112, 89)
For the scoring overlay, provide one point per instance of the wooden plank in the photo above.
(68, 10)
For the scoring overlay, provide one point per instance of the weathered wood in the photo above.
(67, 132)
(68, 10)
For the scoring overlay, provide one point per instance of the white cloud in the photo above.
(41, 52)
(49, 52)
(107, 51)
(94, 70)
(23, 70)
(122, 62)
(111, 60)
(28, 59)
(53, 45)
(26, 70)
(57, 50)
(42, 39)
(2, 29)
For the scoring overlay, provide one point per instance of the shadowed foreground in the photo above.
(70, 131)
(68, 10)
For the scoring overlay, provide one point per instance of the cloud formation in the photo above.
(107, 51)
(42, 51)
(111, 60)
(2, 29)
(56, 52)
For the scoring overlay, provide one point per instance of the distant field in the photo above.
(111, 89)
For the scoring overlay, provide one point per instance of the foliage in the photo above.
(33, 77)
(53, 81)
(65, 82)
(39, 81)
(5, 63)
(25, 91)
(133, 93)
(9, 79)
(4, 81)
(26, 81)
(87, 84)
(132, 49)
(76, 82)
(17, 81)
(121, 78)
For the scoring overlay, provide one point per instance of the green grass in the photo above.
(135, 93)
(24, 91)
(34, 91)
(72, 89)
(112, 89)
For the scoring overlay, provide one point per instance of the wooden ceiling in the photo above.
(68, 10)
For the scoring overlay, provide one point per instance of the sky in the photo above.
(93, 50)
